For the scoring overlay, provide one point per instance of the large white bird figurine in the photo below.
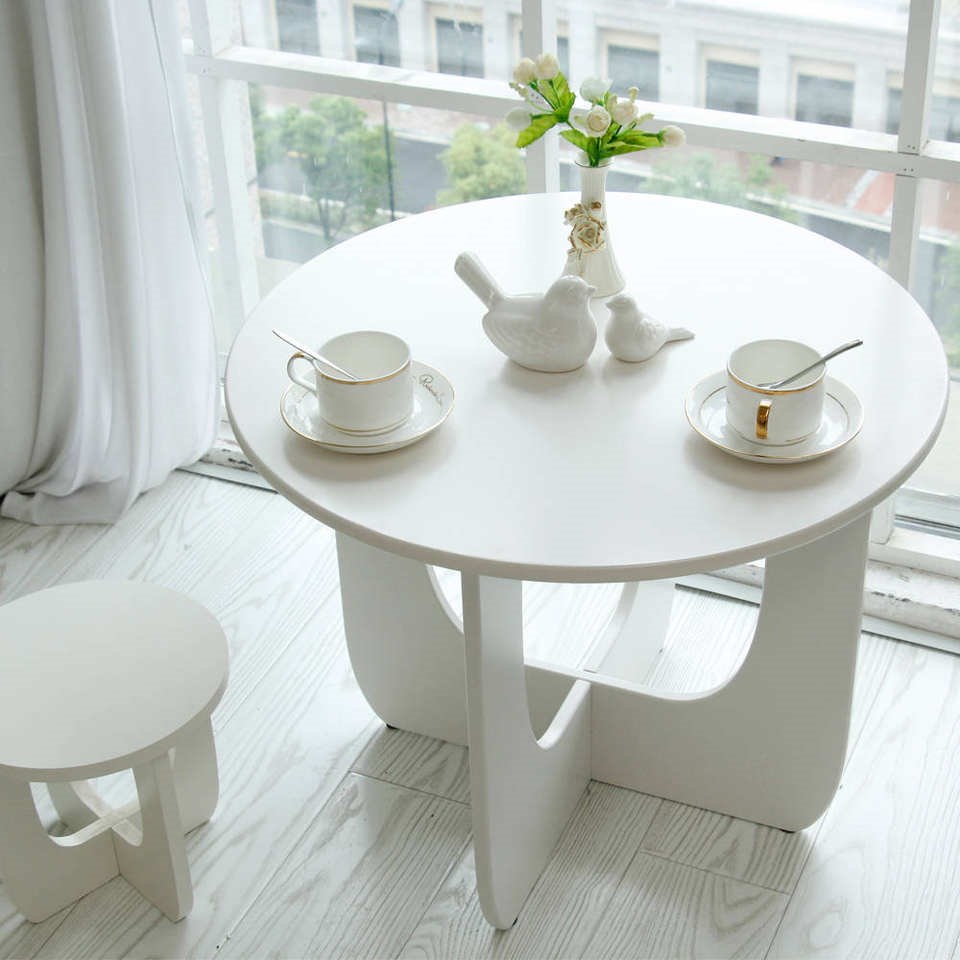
(552, 332)
(632, 335)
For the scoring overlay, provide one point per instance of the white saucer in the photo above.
(432, 402)
(706, 409)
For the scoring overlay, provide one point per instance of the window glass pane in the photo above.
(630, 67)
(320, 172)
(944, 115)
(376, 36)
(824, 100)
(732, 86)
(847, 205)
(937, 287)
(866, 37)
(297, 26)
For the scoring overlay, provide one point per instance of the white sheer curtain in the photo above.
(128, 388)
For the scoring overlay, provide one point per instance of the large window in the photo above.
(873, 178)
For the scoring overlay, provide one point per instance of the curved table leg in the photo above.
(523, 789)
(769, 745)
(405, 643)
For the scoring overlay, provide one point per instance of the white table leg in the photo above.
(405, 643)
(769, 744)
(523, 787)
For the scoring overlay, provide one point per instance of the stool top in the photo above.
(98, 676)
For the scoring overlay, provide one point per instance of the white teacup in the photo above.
(381, 397)
(781, 416)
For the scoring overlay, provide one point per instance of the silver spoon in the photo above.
(307, 352)
(816, 363)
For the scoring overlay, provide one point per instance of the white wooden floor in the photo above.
(337, 837)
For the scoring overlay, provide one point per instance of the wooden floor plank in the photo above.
(32, 558)
(748, 851)
(577, 884)
(422, 763)
(883, 877)
(669, 910)
(359, 878)
(177, 536)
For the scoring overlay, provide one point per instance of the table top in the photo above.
(101, 675)
(593, 475)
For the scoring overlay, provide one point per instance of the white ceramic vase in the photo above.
(597, 266)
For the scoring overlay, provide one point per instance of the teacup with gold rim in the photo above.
(774, 416)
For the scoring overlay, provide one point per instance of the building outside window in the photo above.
(297, 29)
(459, 47)
(731, 81)
(634, 67)
(376, 36)
(824, 93)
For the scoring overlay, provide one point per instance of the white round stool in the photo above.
(95, 678)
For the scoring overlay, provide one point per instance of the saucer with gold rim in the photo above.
(433, 399)
(706, 410)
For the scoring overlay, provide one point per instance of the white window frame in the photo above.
(220, 65)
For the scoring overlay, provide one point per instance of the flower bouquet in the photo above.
(608, 129)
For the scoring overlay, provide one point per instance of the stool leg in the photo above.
(195, 773)
(42, 874)
(157, 864)
(77, 804)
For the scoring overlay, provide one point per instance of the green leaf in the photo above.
(639, 138)
(577, 138)
(565, 97)
(540, 123)
(545, 89)
(617, 149)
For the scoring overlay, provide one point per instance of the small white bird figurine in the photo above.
(552, 332)
(632, 335)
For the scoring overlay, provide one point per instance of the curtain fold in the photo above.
(129, 386)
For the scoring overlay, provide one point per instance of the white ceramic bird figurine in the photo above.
(632, 335)
(552, 332)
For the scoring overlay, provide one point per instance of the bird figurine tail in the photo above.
(476, 276)
(678, 333)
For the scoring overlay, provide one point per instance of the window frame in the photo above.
(219, 65)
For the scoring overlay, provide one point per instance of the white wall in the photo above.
(21, 248)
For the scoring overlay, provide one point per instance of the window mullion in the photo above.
(918, 74)
(539, 19)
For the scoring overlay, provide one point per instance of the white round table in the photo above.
(595, 476)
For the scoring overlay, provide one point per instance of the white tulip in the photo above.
(525, 71)
(597, 121)
(547, 66)
(594, 89)
(518, 118)
(624, 112)
(673, 136)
